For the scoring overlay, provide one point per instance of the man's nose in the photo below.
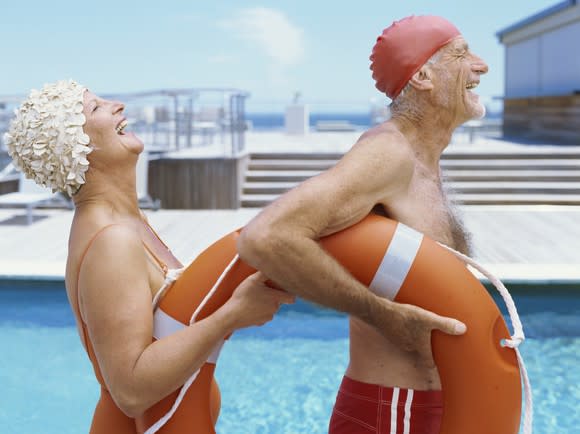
(478, 65)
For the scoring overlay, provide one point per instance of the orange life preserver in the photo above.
(480, 378)
(188, 410)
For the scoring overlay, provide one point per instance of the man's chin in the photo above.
(478, 112)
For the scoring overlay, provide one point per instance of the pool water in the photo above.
(279, 378)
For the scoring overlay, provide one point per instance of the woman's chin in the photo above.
(132, 142)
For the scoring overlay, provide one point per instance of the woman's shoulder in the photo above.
(97, 230)
(86, 227)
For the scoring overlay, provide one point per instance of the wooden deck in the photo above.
(528, 244)
(553, 118)
(505, 174)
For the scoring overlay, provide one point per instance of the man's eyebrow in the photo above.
(461, 48)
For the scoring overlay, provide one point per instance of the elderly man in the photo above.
(391, 384)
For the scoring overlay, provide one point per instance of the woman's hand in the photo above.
(255, 303)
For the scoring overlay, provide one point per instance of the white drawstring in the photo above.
(171, 276)
(157, 425)
(515, 340)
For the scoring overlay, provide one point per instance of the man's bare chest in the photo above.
(429, 212)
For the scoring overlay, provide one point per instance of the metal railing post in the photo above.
(176, 119)
(159, 116)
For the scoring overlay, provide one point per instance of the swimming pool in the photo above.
(280, 378)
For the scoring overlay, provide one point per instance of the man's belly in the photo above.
(375, 360)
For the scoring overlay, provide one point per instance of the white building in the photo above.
(542, 75)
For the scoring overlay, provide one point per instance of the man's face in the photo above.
(457, 73)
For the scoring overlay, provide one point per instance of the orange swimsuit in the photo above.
(108, 418)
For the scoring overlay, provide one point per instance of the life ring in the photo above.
(195, 294)
(480, 379)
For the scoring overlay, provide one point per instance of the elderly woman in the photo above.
(70, 140)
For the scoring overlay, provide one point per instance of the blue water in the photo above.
(280, 378)
(274, 121)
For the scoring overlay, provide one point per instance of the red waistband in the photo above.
(376, 393)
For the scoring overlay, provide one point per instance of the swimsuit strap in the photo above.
(84, 333)
(161, 263)
(89, 244)
(146, 221)
(84, 337)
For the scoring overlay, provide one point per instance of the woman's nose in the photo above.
(118, 106)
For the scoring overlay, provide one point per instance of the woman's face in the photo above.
(105, 125)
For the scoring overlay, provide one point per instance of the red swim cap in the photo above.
(404, 47)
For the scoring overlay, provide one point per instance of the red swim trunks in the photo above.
(367, 408)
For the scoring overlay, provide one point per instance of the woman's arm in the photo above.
(115, 303)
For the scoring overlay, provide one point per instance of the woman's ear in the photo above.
(421, 80)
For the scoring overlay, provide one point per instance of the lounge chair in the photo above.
(30, 195)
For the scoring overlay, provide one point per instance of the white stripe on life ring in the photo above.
(165, 325)
(397, 262)
(216, 352)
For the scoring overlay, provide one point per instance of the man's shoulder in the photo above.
(385, 143)
(385, 135)
(383, 152)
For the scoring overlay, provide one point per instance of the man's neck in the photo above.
(428, 134)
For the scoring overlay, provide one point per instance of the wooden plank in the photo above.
(548, 118)
(197, 183)
(522, 236)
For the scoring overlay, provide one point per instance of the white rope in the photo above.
(529, 409)
(515, 340)
(157, 425)
(214, 288)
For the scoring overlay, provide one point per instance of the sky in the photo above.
(272, 49)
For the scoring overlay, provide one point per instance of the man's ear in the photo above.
(421, 80)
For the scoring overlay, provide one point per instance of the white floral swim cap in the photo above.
(46, 138)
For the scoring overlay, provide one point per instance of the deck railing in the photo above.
(171, 119)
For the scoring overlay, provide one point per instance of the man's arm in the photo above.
(282, 241)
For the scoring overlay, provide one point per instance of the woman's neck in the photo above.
(117, 194)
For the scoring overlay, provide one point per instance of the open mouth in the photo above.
(472, 85)
(121, 127)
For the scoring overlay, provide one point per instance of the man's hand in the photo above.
(409, 327)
